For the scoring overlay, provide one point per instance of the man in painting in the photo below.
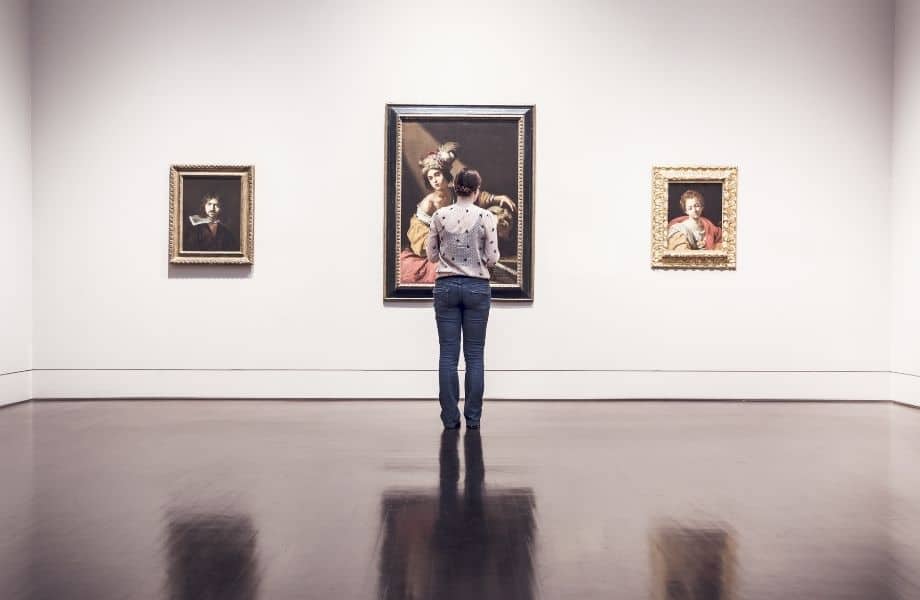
(207, 233)
(693, 231)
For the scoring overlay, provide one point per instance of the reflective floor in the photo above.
(364, 500)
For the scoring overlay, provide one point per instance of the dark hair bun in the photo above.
(467, 182)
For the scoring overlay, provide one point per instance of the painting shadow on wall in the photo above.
(209, 271)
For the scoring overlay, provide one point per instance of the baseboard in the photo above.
(905, 389)
(15, 387)
(511, 385)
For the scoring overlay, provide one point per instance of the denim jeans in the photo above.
(461, 304)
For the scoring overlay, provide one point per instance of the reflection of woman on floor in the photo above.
(482, 544)
(414, 266)
(461, 548)
(693, 231)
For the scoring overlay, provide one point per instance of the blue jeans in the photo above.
(461, 304)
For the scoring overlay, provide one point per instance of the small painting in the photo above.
(693, 217)
(211, 215)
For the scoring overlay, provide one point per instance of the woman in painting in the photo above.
(693, 231)
(207, 232)
(462, 245)
(413, 264)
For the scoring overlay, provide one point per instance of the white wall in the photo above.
(905, 206)
(797, 94)
(15, 204)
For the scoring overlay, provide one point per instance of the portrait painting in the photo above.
(211, 215)
(427, 146)
(693, 217)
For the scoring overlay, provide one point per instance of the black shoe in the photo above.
(472, 425)
(457, 426)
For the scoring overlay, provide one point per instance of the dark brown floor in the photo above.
(362, 500)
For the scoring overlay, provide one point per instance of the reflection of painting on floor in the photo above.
(211, 556)
(692, 563)
(475, 545)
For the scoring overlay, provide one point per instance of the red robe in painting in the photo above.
(712, 233)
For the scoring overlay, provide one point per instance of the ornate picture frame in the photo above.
(498, 141)
(211, 214)
(694, 217)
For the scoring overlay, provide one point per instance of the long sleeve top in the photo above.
(463, 240)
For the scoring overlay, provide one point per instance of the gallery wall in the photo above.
(15, 204)
(905, 206)
(798, 95)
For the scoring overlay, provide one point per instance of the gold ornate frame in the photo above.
(177, 255)
(724, 258)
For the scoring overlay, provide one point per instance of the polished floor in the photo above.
(371, 500)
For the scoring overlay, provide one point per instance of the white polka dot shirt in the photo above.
(463, 240)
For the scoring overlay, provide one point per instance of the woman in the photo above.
(463, 243)
(693, 231)
(436, 172)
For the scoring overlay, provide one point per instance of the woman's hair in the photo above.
(467, 182)
(204, 201)
(691, 194)
(445, 172)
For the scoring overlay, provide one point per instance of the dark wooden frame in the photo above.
(523, 115)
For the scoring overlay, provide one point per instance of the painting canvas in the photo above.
(426, 147)
(693, 217)
(211, 215)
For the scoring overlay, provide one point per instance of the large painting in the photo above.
(427, 146)
(693, 217)
(211, 215)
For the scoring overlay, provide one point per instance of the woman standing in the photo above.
(463, 243)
